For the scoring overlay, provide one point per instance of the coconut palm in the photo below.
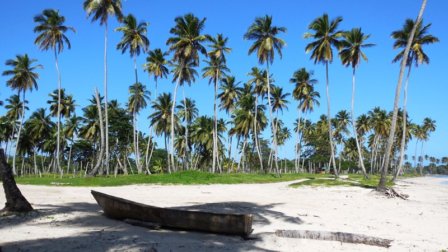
(351, 54)
(230, 92)
(134, 39)
(218, 47)
(51, 36)
(404, 61)
(306, 96)
(416, 57)
(156, 65)
(161, 119)
(138, 95)
(215, 70)
(23, 78)
(186, 44)
(266, 43)
(14, 112)
(67, 104)
(187, 113)
(100, 10)
(326, 36)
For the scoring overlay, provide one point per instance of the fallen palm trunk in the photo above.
(334, 236)
(122, 209)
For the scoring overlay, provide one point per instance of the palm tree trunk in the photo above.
(100, 115)
(70, 157)
(18, 136)
(106, 99)
(355, 132)
(214, 126)
(242, 153)
(257, 146)
(421, 162)
(297, 147)
(403, 137)
(58, 115)
(330, 130)
(274, 141)
(390, 141)
(167, 156)
(187, 124)
(11, 141)
(172, 125)
(137, 149)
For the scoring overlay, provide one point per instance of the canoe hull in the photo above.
(231, 224)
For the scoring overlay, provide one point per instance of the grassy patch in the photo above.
(179, 178)
(322, 182)
(353, 180)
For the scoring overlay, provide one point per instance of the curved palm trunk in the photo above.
(106, 100)
(257, 146)
(58, 143)
(330, 130)
(14, 171)
(355, 132)
(390, 141)
(172, 125)
(273, 128)
(100, 115)
(215, 127)
(403, 137)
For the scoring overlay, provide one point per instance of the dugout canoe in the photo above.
(220, 223)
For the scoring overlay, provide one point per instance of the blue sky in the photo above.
(82, 66)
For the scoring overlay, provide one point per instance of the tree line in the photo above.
(61, 141)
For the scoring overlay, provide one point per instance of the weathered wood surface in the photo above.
(15, 201)
(118, 208)
(334, 236)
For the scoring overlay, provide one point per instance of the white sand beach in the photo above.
(68, 218)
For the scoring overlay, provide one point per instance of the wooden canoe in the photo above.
(121, 209)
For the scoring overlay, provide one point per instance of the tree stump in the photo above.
(15, 202)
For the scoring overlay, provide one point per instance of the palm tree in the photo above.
(134, 39)
(156, 65)
(23, 78)
(51, 35)
(161, 119)
(230, 92)
(186, 44)
(416, 56)
(67, 104)
(326, 35)
(279, 102)
(187, 113)
(351, 55)
(404, 61)
(14, 112)
(215, 70)
(306, 96)
(219, 47)
(265, 44)
(137, 102)
(101, 10)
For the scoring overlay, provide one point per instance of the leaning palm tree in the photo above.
(186, 44)
(137, 101)
(303, 93)
(266, 43)
(404, 61)
(23, 78)
(351, 55)
(134, 39)
(325, 35)
(14, 109)
(51, 35)
(101, 10)
(215, 70)
(416, 57)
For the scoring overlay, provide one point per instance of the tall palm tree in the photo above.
(306, 96)
(67, 104)
(186, 43)
(325, 35)
(23, 78)
(161, 119)
(266, 43)
(187, 113)
(279, 102)
(258, 80)
(156, 65)
(14, 112)
(51, 35)
(215, 70)
(416, 57)
(100, 10)
(137, 101)
(404, 61)
(351, 54)
(230, 92)
(134, 39)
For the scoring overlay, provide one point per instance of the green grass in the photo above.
(177, 178)
(353, 180)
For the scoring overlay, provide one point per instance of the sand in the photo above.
(69, 219)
